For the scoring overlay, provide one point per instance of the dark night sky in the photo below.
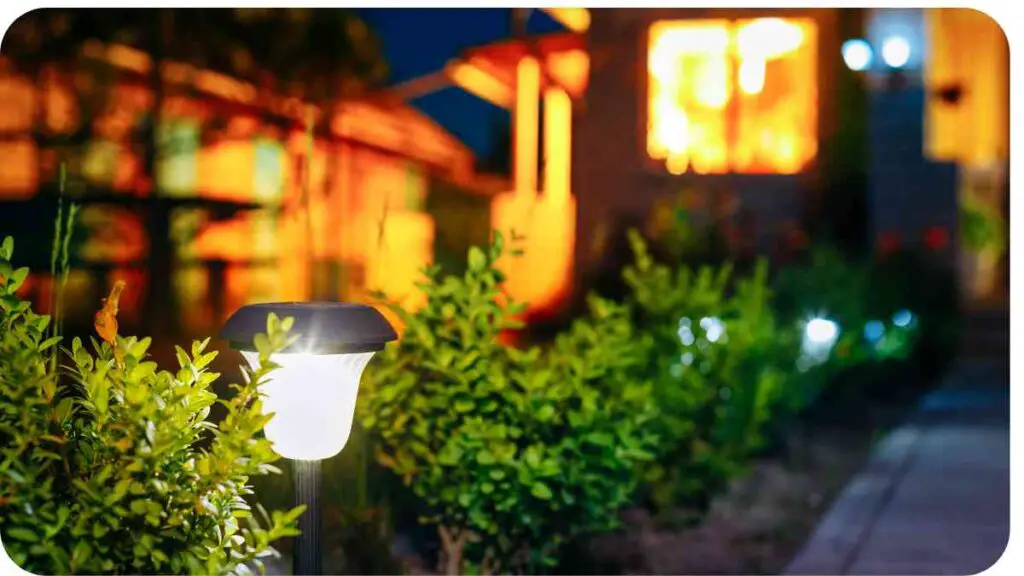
(419, 41)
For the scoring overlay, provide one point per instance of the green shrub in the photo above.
(865, 298)
(512, 452)
(719, 365)
(115, 468)
(981, 226)
(828, 284)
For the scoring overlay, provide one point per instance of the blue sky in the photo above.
(419, 41)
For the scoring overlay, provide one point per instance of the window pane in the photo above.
(737, 96)
(688, 92)
(777, 99)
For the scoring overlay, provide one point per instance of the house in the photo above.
(252, 201)
(754, 110)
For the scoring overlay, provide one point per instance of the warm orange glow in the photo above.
(557, 143)
(541, 276)
(729, 96)
(112, 234)
(18, 96)
(570, 69)
(575, 19)
(527, 118)
(475, 80)
(231, 165)
(18, 174)
(366, 193)
(400, 247)
(967, 47)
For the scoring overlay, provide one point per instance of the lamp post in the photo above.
(312, 393)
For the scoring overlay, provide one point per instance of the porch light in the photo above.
(857, 54)
(896, 51)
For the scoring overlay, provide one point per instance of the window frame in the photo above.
(823, 24)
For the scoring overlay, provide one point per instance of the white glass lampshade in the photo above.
(312, 393)
(313, 399)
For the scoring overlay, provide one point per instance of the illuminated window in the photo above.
(733, 96)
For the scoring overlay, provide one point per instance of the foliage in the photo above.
(233, 41)
(511, 451)
(981, 227)
(928, 288)
(678, 233)
(718, 365)
(118, 469)
(827, 283)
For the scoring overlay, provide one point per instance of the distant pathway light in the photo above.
(857, 54)
(312, 393)
(903, 318)
(820, 336)
(874, 331)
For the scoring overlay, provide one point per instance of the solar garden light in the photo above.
(312, 393)
(820, 336)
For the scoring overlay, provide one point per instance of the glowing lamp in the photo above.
(820, 336)
(821, 331)
(312, 394)
(896, 51)
(857, 54)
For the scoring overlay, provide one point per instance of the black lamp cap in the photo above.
(321, 327)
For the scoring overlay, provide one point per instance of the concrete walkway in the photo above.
(934, 496)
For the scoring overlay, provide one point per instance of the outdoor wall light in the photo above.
(857, 54)
(896, 51)
(313, 392)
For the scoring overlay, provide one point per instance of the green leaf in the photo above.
(63, 409)
(262, 344)
(7, 248)
(49, 343)
(23, 534)
(17, 279)
(476, 260)
(81, 553)
(541, 490)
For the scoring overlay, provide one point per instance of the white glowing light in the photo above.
(857, 54)
(313, 399)
(896, 51)
(822, 331)
(714, 329)
(820, 336)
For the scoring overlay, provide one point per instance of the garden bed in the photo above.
(756, 527)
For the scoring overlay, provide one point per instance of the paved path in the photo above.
(934, 496)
